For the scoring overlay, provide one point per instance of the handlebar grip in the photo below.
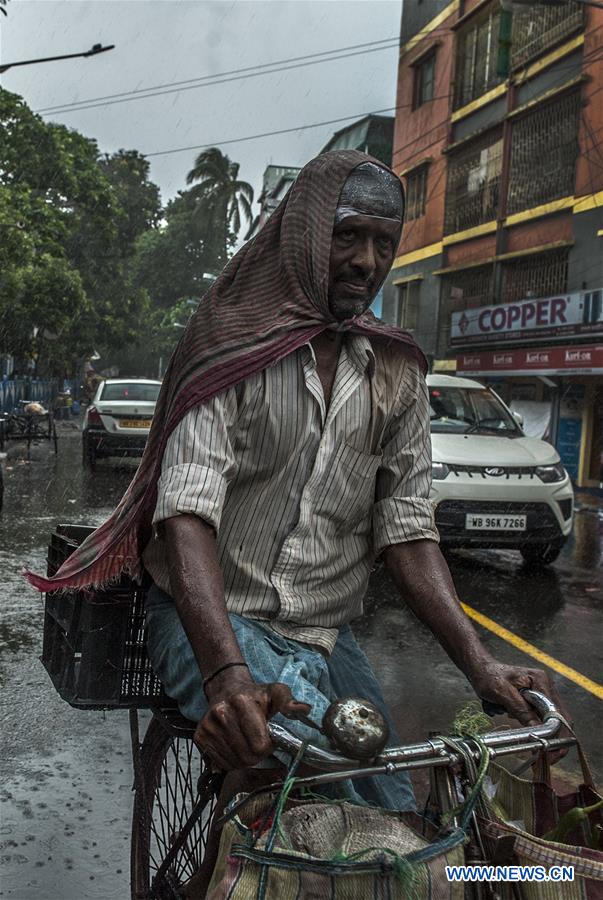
(543, 706)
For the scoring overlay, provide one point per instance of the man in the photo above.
(290, 447)
(274, 499)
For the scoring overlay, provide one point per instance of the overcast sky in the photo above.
(162, 41)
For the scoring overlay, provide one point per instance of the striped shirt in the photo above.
(303, 498)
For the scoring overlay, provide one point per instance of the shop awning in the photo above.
(566, 360)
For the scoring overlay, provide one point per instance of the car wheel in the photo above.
(541, 554)
(88, 455)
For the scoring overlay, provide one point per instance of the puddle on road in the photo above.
(64, 827)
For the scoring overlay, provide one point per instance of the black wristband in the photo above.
(222, 669)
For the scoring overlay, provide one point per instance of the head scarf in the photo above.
(270, 299)
(371, 190)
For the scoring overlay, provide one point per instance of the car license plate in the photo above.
(475, 522)
(135, 423)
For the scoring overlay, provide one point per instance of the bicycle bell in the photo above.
(355, 727)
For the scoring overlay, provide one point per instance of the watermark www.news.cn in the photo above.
(509, 873)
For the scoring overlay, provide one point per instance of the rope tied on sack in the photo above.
(465, 809)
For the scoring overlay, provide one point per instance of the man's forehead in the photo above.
(351, 218)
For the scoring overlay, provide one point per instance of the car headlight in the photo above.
(439, 471)
(550, 474)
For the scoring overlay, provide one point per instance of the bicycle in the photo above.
(95, 653)
(168, 840)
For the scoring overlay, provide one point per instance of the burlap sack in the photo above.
(340, 851)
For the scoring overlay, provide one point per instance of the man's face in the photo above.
(362, 251)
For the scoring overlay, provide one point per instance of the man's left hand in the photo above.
(501, 684)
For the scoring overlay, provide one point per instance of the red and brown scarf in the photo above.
(269, 300)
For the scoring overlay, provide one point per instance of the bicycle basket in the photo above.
(93, 646)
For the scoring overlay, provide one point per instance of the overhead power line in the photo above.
(239, 71)
(252, 137)
(225, 77)
(293, 62)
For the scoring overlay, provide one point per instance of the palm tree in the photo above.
(221, 198)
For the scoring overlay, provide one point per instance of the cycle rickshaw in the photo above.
(29, 422)
(95, 653)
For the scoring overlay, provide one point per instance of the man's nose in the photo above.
(364, 256)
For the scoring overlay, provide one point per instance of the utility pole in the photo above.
(94, 51)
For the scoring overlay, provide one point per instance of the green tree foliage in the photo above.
(88, 258)
(170, 260)
(221, 198)
(198, 229)
(138, 197)
(68, 220)
(169, 265)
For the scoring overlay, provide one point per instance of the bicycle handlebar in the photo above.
(433, 751)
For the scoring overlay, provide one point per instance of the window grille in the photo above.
(416, 193)
(408, 304)
(472, 191)
(476, 52)
(537, 27)
(424, 81)
(541, 275)
(465, 289)
(544, 150)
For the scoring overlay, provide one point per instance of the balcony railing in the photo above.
(544, 150)
(535, 28)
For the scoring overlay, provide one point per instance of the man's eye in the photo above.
(385, 243)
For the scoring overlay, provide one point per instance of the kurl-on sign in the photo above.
(550, 317)
(558, 360)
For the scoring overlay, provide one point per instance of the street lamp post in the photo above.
(94, 51)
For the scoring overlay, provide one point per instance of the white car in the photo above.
(492, 486)
(118, 420)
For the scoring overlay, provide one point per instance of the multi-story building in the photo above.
(372, 134)
(277, 181)
(500, 268)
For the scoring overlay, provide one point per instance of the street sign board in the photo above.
(554, 318)
(585, 359)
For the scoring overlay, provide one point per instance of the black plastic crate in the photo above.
(94, 648)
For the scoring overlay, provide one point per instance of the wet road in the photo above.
(66, 775)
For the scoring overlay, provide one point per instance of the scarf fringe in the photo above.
(132, 568)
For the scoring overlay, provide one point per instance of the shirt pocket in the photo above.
(347, 492)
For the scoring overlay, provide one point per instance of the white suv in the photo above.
(492, 485)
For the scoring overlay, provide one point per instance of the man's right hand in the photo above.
(234, 730)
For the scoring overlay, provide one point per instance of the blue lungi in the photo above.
(311, 677)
